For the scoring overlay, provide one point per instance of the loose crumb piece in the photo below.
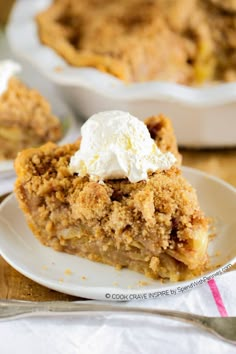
(68, 271)
(58, 69)
(217, 254)
(118, 267)
(143, 283)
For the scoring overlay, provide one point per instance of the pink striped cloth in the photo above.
(127, 333)
(218, 298)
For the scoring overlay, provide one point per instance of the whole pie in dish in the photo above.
(184, 41)
(26, 120)
(153, 226)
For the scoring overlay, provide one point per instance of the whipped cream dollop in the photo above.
(117, 145)
(7, 69)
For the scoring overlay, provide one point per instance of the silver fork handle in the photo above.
(12, 309)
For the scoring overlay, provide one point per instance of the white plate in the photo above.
(202, 117)
(97, 281)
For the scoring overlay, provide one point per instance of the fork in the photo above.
(222, 327)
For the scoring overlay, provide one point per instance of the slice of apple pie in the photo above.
(26, 119)
(116, 198)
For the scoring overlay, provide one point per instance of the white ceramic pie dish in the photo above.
(202, 117)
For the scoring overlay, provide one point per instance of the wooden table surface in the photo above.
(13, 285)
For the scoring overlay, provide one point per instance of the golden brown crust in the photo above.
(162, 40)
(161, 130)
(25, 120)
(152, 227)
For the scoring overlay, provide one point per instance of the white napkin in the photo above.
(115, 333)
